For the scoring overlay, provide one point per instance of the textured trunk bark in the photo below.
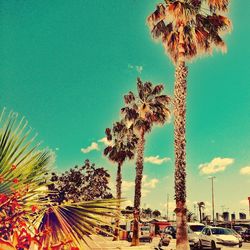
(138, 182)
(118, 196)
(180, 92)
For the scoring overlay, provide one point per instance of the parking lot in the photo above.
(106, 243)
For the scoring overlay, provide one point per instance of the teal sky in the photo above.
(65, 66)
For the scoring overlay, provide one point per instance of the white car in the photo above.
(217, 237)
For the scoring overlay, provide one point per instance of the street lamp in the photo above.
(212, 180)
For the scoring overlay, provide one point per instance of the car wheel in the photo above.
(200, 245)
(213, 246)
(240, 245)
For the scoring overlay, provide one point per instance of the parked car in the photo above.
(192, 237)
(196, 227)
(240, 230)
(246, 235)
(236, 234)
(216, 237)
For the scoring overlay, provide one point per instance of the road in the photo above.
(106, 243)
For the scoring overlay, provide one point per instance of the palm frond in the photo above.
(22, 163)
(71, 222)
(202, 23)
(218, 5)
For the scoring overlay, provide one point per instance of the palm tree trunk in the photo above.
(200, 214)
(118, 196)
(180, 155)
(138, 183)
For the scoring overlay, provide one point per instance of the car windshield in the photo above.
(145, 229)
(231, 231)
(196, 228)
(220, 231)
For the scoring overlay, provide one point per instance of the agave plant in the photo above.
(32, 219)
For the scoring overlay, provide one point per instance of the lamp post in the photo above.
(212, 180)
(249, 204)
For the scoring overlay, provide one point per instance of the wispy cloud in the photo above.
(216, 165)
(105, 141)
(92, 147)
(138, 68)
(127, 185)
(245, 170)
(144, 192)
(149, 183)
(156, 159)
(244, 202)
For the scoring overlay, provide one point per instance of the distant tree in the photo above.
(148, 107)
(201, 205)
(190, 216)
(129, 208)
(122, 146)
(80, 184)
(148, 212)
(156, 213)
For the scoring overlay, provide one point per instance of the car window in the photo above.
(204, 231)
(196, 228)
(218, 231)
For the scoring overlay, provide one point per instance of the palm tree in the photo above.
(201, 205)
(23, 187)
(122, 146)
(187, 28)
(144, 110)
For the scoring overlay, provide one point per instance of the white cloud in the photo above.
(216, 165)
(127, 185)
(144, 192)
(105, 141)
(93, 146)
(156, 159)
(149, 184)
(138, 68)
(245, 170)
(244, 202)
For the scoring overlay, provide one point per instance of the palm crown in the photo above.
(189, 27)
(123, 142)
(148, 108)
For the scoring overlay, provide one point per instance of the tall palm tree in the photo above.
(143, 110)
(123, 142)
(187, 28)
(23, 166)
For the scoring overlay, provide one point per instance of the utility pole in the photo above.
(212, 180)
(167, 204)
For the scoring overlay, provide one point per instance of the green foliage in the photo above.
(19, 152)
(80, 184)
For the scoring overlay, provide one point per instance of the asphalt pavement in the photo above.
(106, 243)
